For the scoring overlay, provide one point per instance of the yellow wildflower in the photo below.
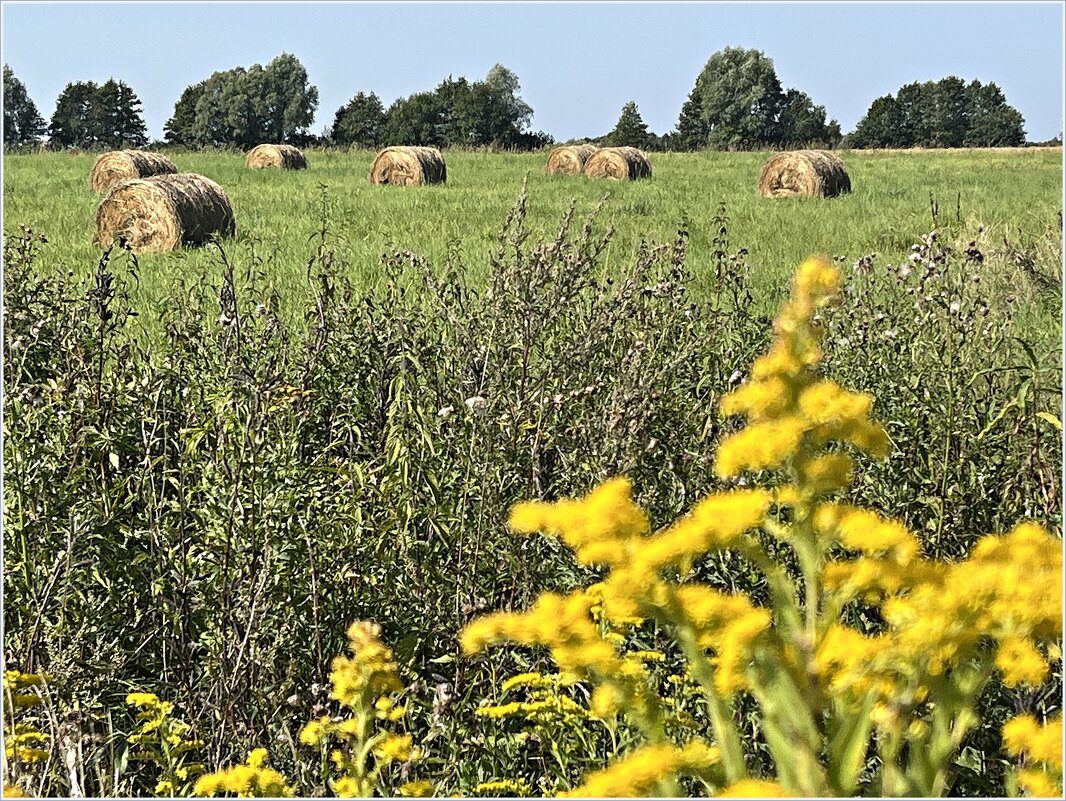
(12, 791)
(596, 527)
(760, 446)
(504, 787)
(754, 788)
(1038, 784)
(149, 700)
(1020, 662)
(394, 748)
(638, 773)
(253, 779)
(1023, 735)
(416, 789)
(716, 522)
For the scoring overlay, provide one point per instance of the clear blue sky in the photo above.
(578, 63)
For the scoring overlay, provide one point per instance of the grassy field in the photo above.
(1014, 194)
(212, 467)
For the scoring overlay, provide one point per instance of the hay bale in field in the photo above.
(286, 157)
(618, 163)
(813, 173)
(409, 166)
(569, 159)
(160, 213)
(122, 165)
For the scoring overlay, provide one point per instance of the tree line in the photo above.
(737, 103)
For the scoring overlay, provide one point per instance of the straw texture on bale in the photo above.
(122, 165)
(569, 159)
(409, 166)
(286, 157)
(161, 213)
(618, 163)
(813, 173)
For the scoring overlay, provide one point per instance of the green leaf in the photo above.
(848, 745)
(1051, 419)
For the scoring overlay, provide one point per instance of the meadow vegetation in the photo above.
(217, 460)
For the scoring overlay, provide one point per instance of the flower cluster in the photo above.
(253, 779)
(824, 688)
(1042, 744)
(163, 739)
(366, 683)
(23, 741)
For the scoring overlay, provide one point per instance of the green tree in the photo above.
(72, 121)
(692, 132)
(801, 123)
(630, 130)
(180, 129)
(246, 106)
(947, 112)
(115, 116)
(414, 120)
(737, 100)
(993, 123)
(22, 122)
(359, 122)
(881, 126)
(287, 100)
(506, 115)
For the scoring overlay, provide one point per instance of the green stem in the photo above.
(725, 732)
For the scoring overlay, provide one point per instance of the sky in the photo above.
(578, 63)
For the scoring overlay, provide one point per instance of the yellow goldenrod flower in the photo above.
(754, 788)
(394, 748)
(149, 700)
(1020, 662)
(716, 522)
(596, 527)
(638, 773)
(504, 787)
(1043, 743)
(1038, 784)
(11, 791)
(253, 779)
(760, 446)
(416, 789)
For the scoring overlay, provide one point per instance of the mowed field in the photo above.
(983, 195)
(213, 466)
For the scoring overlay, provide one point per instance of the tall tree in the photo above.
(72, 123)
(359, 122)
(630, 130)
(882, 125)
(739, 98)
(180, 129)
(115, 116)
(414, 120)
(801, 123)
(993, 123)
(23, 124)
(692, 132)
(246, 107)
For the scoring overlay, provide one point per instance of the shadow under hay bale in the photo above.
(409, 166)
(569, 159)
(618, 163)
(285, 157)
(809, 173)
(117, 166)
(161, 213)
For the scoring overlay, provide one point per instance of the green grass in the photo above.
(1009, 193)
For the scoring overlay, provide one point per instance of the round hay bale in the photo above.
(285, 157)
(811, 173)
(409, 166)
(122, 165)
(160, 213)
(569, 159)
(618, 164)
